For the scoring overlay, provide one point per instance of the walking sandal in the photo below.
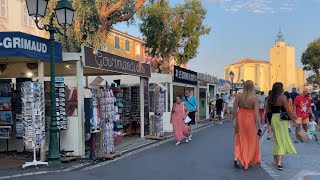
(280, 167)
(236, 164)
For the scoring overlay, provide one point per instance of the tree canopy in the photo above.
(311, 58)
(172, 33)
(93, 20)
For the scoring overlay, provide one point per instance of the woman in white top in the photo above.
(230, 102)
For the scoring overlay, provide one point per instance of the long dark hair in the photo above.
(277, 89)
(287, 94)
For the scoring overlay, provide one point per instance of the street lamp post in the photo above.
(64, 14)
(231, 75)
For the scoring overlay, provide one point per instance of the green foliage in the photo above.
(310, 79)
(172, 32)
(311, 58)
(93, 20)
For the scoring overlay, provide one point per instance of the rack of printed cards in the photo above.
(105, 114)
(33, 109)
(157, 107)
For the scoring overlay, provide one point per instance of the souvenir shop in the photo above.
(158, 83)
(110, 109)
(185, 79)
(206, 88)
(24, 64)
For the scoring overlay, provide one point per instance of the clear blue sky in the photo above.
(248, 28)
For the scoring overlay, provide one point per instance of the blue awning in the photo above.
(18, 44)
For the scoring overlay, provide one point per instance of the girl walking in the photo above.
(278, 103)
(178, 114)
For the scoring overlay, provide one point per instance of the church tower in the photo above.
(282, 60)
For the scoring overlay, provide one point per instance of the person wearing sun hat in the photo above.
(302, 108)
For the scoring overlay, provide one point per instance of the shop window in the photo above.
(4, 8)
(127, 45)
(27, 20)
(138, 50)
(116, 42)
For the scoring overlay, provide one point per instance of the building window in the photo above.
(138, 50)
(127, 45)
(116, 42)
(4, 8)
(27, 20)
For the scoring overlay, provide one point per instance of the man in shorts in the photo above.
(192, 105)
(219, 107)
(302, 108)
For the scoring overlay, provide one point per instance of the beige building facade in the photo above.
(281, 68)
(248, 69)
(14, 17)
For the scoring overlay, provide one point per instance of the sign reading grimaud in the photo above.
(207, 78)
(106, 61)
(18, 44)
(184, 76)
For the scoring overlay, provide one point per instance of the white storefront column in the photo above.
(41, 80)
(81, 119)
(142, 81)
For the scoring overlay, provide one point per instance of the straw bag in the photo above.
(302, 135)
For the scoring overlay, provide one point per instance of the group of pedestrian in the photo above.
(183, 116)
(249, 111)
(278, 110)
(216, 107)
(221, 107)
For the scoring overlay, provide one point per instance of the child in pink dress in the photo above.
(178, 114)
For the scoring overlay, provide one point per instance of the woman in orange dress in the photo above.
(246, 142)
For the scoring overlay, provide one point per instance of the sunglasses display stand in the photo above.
(156, 120)
(33, 111)
(61, 104)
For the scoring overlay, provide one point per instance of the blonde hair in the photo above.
(248, 93)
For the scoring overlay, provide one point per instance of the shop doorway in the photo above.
(203, 103)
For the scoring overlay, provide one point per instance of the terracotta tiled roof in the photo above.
(247, 60)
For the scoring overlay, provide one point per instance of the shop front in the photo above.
(108, 111)
(206, 88)
(24, 64)
(184, 79)
(157, 83)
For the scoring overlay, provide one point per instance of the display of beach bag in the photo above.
(302, 135)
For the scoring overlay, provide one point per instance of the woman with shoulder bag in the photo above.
(281, 115)
(179, 114)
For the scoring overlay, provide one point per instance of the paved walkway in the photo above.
(132, 145)
(305, 163)
(209, 156)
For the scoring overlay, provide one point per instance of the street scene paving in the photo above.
(208, 156)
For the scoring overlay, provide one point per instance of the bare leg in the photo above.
(305, 127)
(297, 130)
(280, 163)
(275, 160)
(315, 137)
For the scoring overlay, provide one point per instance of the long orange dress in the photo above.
(246, 143)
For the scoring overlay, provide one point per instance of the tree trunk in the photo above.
(317, 76)
(166, 65)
